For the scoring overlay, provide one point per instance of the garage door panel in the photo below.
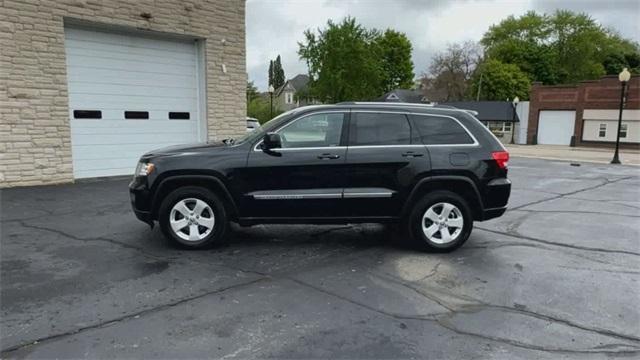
(117, 89)
(102, 76)
(555, 127)
(129, 66)
(114, 73)
(126, 41)
(124, 102)
(104, 126)
(81, 50)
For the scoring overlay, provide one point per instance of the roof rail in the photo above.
(403, 104)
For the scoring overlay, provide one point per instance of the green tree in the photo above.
(252, 91)
(561, 48)
(394, 49)
(270, 82)
(499, 81)
(260, 108)
(278, 73)
(342, 65)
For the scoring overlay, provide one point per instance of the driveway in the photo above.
(556, 277)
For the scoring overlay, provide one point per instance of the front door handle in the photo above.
(328, 156)
(411, 154)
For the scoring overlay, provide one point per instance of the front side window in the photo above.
(602, 132)
(379, 129)
(623, 130)
(317, 130)
(436, 130)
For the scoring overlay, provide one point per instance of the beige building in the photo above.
(88, 86)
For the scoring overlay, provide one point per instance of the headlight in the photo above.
(144, 169)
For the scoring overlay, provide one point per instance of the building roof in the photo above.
(298, 83)
(488, 110)
(404, 95)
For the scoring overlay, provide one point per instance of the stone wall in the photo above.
(35, 140)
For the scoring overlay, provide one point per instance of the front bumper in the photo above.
(493, 213)
(141, 200)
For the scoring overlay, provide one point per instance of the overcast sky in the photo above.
(276, 27)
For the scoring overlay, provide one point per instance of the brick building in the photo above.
(585, 114)
(88, 86)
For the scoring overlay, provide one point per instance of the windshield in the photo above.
(265, 128)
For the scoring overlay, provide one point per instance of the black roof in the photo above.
(298, 82)
(488, 110)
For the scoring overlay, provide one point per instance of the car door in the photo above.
(384, 158)
(305, 177)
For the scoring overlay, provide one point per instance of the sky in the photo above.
(276, 26)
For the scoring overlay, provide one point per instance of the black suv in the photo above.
(433, 170)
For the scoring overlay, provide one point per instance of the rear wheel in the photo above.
(193, 217)
(441, 222)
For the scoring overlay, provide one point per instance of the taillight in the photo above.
(501, 158)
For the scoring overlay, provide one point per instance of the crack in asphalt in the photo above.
(575, 212)
(8, 350)
(480, 305)
(606, 182)
(100, 238)
(553, 243)
(439, 318)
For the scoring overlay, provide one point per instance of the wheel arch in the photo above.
(210, 182)
(461, 185)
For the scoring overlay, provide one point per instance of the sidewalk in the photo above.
(577, 154)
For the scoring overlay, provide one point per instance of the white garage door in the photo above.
(128, 95)
(555, 127)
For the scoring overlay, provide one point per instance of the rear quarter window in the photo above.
(437, 130)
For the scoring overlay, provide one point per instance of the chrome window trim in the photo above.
(344, 111)
(295, 196)
(358, 195)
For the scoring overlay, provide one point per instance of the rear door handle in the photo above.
(328, 156)
(411, 154)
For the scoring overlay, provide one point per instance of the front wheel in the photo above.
(440, 222)
(193, 217)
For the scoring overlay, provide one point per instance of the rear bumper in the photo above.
(493, 213)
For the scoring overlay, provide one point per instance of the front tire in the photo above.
(440, 222)
(193, 217)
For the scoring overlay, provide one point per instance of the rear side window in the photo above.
(436, 130)
(379, 129)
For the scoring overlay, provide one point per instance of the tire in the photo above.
(440, 234)
(200, 211)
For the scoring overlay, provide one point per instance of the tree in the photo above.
(450, 71)
(499, 81)
(561, 48)
(278, 73)
(270, 82)
(348, 62)
(252, 91)
(340, 61)
(394, 50)
(260, 108)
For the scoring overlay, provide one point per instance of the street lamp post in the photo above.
(271, 90)
(515, 102)
(624, 77)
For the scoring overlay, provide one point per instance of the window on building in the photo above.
(436, 130)
(379, 129)
(602, 132)
(623, 130)
(317, 130)
(288, 98)
(507, 126)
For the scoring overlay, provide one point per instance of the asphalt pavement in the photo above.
(555, 277)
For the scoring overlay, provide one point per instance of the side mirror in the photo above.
(271, 141)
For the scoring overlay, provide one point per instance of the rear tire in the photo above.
(193, 217)
(440, 222)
